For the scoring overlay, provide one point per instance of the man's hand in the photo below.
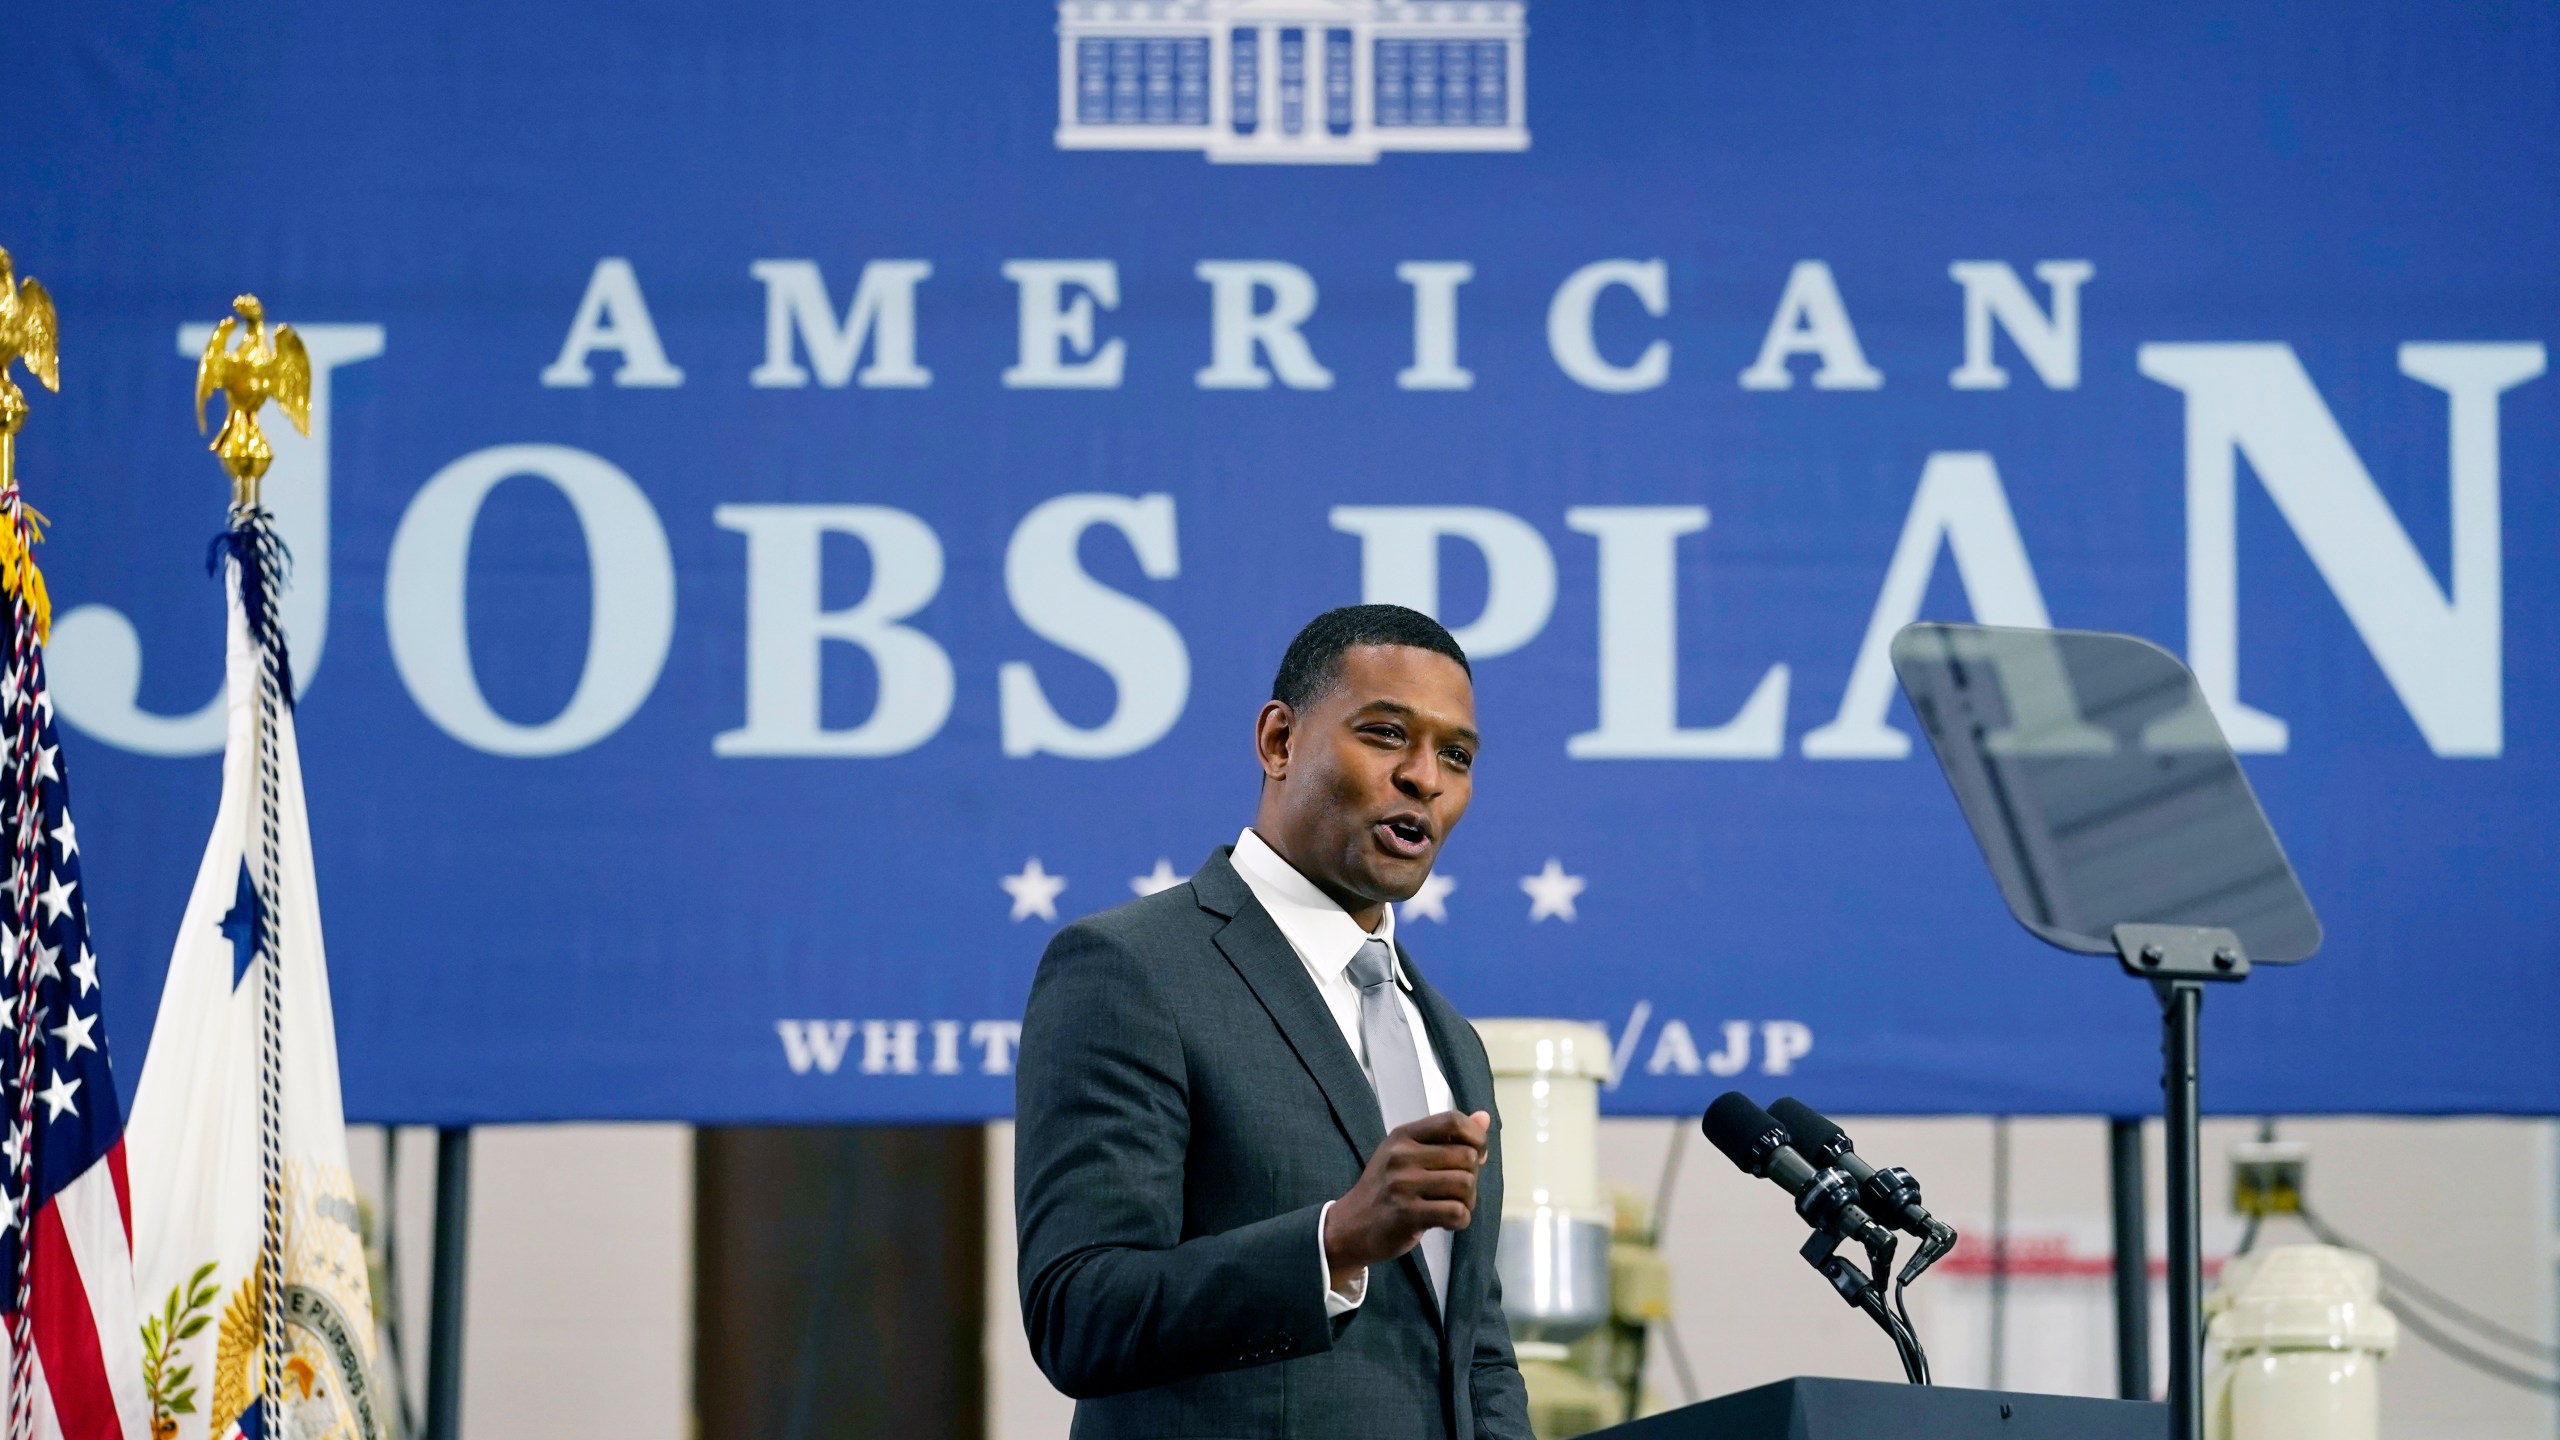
(1422, 1177)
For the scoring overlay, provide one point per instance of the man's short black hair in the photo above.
(1314, 660)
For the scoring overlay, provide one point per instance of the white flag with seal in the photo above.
(248, 1255)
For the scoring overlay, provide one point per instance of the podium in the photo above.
(1810, 1408)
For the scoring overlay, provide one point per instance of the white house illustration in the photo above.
(1292, 81)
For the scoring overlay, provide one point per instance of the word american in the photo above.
(1258, 311)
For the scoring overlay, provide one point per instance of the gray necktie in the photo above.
(1395, 1071)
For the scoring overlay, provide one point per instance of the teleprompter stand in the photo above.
(2179, 961)
(2116, 820)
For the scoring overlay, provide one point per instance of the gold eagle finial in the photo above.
(28, 335)
(265, 365)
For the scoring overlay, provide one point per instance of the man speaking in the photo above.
(1257, 1173)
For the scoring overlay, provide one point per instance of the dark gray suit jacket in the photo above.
(1186, 1106)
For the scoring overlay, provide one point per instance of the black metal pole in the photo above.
(2181, 1005)
(445, 1299)
(2132, 1258)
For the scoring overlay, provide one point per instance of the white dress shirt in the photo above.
(1326, 939)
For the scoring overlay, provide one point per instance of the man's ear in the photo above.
(1273, 730)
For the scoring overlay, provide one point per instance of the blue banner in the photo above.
(805, 499)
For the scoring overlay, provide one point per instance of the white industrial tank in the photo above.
(2297, 1335)
(1554, 1255)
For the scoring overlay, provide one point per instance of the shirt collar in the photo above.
(1322, 932)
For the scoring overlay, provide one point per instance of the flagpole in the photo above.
(29, 337)
(257, 569)
(23, 838)
(266, 364)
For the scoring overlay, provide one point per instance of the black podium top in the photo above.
(1808, 1408)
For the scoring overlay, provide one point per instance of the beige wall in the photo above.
(1020, 1403)
(2467, 1205)
(580, 1288)
(580, 1298)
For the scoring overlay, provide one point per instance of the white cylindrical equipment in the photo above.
(1554, 1255)
(2298, 1332)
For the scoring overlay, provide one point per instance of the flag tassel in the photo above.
(259, 559)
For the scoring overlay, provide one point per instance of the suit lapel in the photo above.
(1263, 956)
(1470, 1090)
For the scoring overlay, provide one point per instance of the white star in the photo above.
(1551, 891)
(8, 1211)
(44, 702)
(1034, 891)
(74, 1032)
(1160, 878)
(9, 689)
(66, 837)
(57, 1096)
(85, 970)
(8, 1013)
(48, 961)
(14, 1146)
(45, 768)
(57, 896)
(1431, 902)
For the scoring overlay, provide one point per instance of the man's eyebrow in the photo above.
(1403, 711)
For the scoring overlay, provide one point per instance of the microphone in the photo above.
(1758, 1145)
(1753, 1140)
(1893, 1195)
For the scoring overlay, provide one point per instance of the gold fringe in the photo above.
(19, 535)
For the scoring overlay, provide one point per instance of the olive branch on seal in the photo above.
(183, 1317)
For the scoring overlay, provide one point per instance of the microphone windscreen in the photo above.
(1747, 1134)
(1808, 1129)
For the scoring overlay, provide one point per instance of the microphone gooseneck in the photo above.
(1804, 1163)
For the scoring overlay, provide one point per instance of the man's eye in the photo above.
(1459, 758)
(1387, 733)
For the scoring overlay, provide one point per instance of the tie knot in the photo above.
(1373, 965)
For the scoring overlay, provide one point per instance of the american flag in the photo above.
(66, 1216)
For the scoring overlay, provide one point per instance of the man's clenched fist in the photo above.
(1422, 1177)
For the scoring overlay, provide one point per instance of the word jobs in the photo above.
(2440, 647)
(1258, 311)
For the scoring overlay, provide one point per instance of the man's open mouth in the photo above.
(1405, 835)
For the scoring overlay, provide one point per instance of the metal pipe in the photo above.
(2181, 1004)
(2132, 1258)
(388, 1306)
(1999, 1287)
(445, 1297)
